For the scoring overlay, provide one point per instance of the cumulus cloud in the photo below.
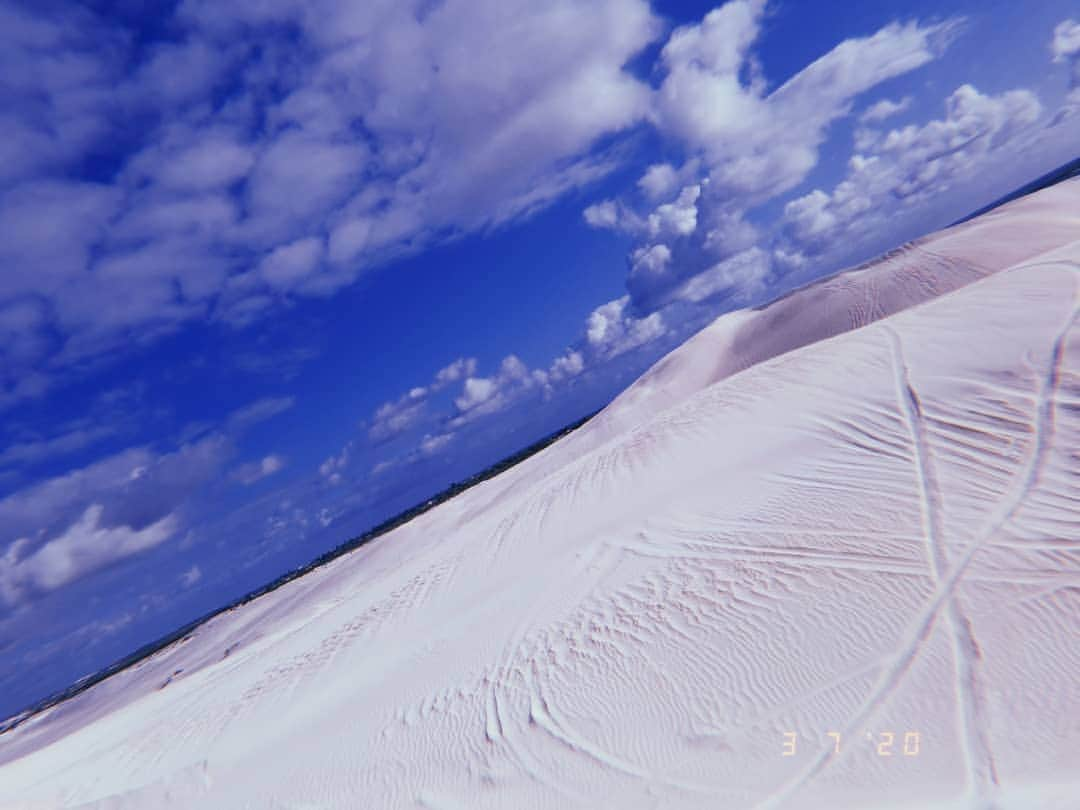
(615, 215)
(739, 279)
(481, 396)
(477, 390)
(677, 218)
(909, 165)
(604, 214)
(458, 370)
(566, 366)
(746, 143)
(391, 419)
(394, 418)
(84, 547)
(426, 424)
(611, 330)
(659, 180)
(332, 469)
(409, 412)
(66, 527)
(1065, 45)
(1065, 48)
(281, 150)
(254, 471)
(886, 108)
(430, 445)
(650, 261)
(759, 143)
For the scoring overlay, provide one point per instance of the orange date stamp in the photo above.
(886, 743)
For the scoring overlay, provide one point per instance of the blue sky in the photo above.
(272, 271)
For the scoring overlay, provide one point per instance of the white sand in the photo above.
(854, 511)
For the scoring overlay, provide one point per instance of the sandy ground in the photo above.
(824, 554)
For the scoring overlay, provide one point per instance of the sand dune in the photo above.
(825, 554)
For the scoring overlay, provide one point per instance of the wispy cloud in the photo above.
(191, 576)
(259, 411)
(72, 441)
(255, 471)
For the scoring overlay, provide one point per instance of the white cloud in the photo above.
(298, 178)
(391, 419)
(650, 261)
(482, 396)
(335, 149)
(565, 366)
(678, 218)
(413, 409)
(383, 466)
(603, 214)
(477, 390)
(254, 471)
(168, 224)
(886, 108)
(702, 98)
(193, 160)
(611, 329)
(85, 546)
(909, 165)
(191, 576)
(47, 230)
(287, 266)
(461, 368)
(760, 144)
(1065, 44)
(80, 88)
(349, 239)
(659, 181)
(259, 411)
(394, 418)
(430, 445)
(811, 217)
(176, 74)
(22, 338)
(333, 467)
(746, 144)
(738, 279)
(65, 443)
(65, 528)
(136, 487)
(1065, 47)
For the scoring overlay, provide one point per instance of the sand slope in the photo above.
(856, 511)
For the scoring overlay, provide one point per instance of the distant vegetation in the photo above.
(186, 631)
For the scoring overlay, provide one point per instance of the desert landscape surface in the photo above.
(825, 554)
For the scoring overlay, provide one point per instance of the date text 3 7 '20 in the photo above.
(888, 743)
